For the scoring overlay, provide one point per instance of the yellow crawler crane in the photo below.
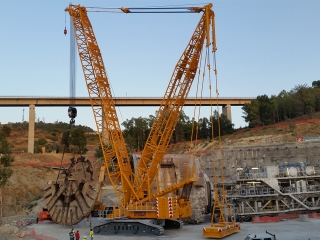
(141, 210)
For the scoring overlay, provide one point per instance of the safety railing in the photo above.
(282, 174)
(251, 192)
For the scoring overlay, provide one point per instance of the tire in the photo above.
(247, 218)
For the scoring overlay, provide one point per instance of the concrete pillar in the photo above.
(31, 128)
(242, 206)
(226, 110)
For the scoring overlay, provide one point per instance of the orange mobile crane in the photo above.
(141, 210)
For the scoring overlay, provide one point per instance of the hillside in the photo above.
(286, 132)
(280, 133)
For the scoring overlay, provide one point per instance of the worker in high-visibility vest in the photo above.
(84, 238)
(91, 234)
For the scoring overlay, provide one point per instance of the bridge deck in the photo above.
(119, 101)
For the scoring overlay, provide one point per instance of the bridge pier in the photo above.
(31, 128)
(226, 110)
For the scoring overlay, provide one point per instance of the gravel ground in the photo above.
(285, 230)
(9, 229)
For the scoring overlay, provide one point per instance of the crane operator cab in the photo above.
(72, 113)
(261, 236)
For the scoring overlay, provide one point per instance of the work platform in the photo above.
(291, 189)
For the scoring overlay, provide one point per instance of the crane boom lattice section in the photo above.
(170, 109)
(115, 155)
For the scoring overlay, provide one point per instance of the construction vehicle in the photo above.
(44, 215)
(143, 208)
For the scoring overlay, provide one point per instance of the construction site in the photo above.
(224, 187)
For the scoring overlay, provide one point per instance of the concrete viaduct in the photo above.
(32, 102)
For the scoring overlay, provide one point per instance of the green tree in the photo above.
(42, 141)
(65, 138)
(187, 124)
(203, 128)
(275, 103)
(6, 129)
(98, 153)
(316, 84)
(6, 159)
(266, 110)
(309, 104)
(178, 133)
(227, 127)
(251, 113)
(182, 131)
(78, 139)
(37, 147)
(136, 131)
(5, 174)
(301, 93)
(316, 94)
(282, 105)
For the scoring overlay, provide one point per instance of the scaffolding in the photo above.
(285, 190)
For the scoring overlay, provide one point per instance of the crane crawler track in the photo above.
(173, 224)
(129, 227)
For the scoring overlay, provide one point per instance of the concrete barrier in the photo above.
(314, 215)
(303, 218)
(288, 216)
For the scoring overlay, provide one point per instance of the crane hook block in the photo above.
(65, 31)
(72, 113)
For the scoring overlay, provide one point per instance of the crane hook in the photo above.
(65, 31)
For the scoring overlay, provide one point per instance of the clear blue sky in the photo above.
(263, 47)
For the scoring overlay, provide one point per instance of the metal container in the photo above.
(309, 170)
(303, 186)
(292, 172)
